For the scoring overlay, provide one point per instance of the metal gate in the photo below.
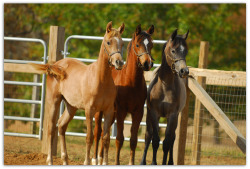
(42, 84)
(42, 101)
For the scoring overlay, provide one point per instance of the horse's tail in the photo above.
(51, 69)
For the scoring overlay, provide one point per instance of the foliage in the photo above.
(223, 25)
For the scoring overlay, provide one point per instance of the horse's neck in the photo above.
(165, 74)
(103, 70)
(134, 73)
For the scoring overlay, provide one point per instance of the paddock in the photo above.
(211, 129)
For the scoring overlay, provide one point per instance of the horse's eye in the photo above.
(173, 51)
(108, 43)
(137, 45)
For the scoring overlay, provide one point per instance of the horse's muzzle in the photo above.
(147, 66)
(183, 72)
(119, 64)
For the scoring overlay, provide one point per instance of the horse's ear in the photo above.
(138, 29)
(174, 34)
(185, 35)
(109, 27)
(150, 30)
(121, 28)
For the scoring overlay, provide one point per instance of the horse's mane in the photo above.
(163, 59)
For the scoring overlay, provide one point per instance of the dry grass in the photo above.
(26, 151)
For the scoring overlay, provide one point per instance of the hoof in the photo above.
(154, 163)
(100, 160)
(65, 163)
(170, 163)
(130, 163)
(49, 162)
(143, 163)
(86, 162)
(94, 161)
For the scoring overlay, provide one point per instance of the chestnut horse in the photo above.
(131, 92)
(166, 96)
(90, 87)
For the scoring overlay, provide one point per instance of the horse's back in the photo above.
(69, 64)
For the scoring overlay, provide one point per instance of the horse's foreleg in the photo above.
(171, 161)
(136, 120)
(156, 138)
(97, 135)
(108, 117)
(148, 138)
(62, 127)
(120, 137)
(89, 139)
(168, 142)
(52, 109)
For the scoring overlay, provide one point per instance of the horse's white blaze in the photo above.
(146, 45)
(182, 48)
(118, 41)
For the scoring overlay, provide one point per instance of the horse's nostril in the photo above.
(121, 63)
(152, 64)
(117, 61)
(182, 71)
(146, 65)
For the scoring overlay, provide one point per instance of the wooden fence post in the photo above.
(56, 44)
(197, 131)
(181, 132)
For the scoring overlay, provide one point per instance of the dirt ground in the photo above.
(26, 151)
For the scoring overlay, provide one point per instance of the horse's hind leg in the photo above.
(108, 118)
(52, 108)
(100, 154)
(97, 135)
(169, 139)
(89, 139)
(136, 120)
(120, 137)
(62, 127)
(148, 138)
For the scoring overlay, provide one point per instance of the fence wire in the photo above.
(216, 146)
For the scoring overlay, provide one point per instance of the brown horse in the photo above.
(131, 93)
(166, 96)
(90, 87)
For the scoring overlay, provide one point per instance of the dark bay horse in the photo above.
(131, 92)
(166, 96)
(90, 87)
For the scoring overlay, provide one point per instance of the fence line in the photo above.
(12, 63)
(238, 77)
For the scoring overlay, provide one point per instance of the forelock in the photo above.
(143, 35)
(114, 33)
